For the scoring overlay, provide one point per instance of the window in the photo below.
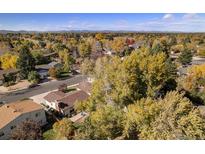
(37, 114)
(12, 127)
(1, 134)
(72, 110)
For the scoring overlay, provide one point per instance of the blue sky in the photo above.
(123, 21)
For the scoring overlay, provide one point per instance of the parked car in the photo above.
(33, 85)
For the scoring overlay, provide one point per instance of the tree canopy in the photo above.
(173, 117)
(25, 62)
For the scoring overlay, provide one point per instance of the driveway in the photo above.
(22, 94)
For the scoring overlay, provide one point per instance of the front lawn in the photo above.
(67, 90)
(64, 75)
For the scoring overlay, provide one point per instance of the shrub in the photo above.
(33, 77)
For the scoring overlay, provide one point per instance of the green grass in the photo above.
(69, 90)
(64, 74)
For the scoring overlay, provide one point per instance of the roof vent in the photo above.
(7, 106)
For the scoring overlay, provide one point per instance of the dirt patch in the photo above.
(18, 86)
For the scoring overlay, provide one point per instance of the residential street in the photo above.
(21, 94)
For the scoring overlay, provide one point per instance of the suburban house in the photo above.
(85, 86)
(43, 69)
(136, 45)
(55, 64)
(97, 54)
(107, 51)
(64, 102)
(51, 55)
(13, 114)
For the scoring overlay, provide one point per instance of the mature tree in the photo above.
(87, 67)
(8, 61)
(66, 59)
(59, 47)
(84, 49)
(9, 79)
(115, 82)
(53, 72)
(155, 71)
(68, 62)
(72, 44)
(33, 77)
(139, 116)
(139, 75)
(173, 117)
(172, 41)
(29, 44)
(185, 57)
(42, 44)
(118, 45)
(104, 123)
(157, 47)
(201, 52)
(194, 83)
(62, 54)
(99, 36)
(25, 62)
(39, 57)
(28, 130)
(80, 106)
(64, 129)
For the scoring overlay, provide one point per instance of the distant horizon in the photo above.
(145, 22)
(101, 31)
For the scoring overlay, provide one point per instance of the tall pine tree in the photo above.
(25, 62)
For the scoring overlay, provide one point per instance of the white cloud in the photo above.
(190, 16)
(78, 25)
(168, 16)
(169, 22)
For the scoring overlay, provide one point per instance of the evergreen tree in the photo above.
(25, 62)
(185, 57)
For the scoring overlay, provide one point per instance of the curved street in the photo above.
(42, 88)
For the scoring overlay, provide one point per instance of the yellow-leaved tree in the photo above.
(8, 61)
(173, 117)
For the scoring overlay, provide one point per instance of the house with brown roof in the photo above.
(52, 97)
(13, 114)
(64, 102)
(85, 86)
